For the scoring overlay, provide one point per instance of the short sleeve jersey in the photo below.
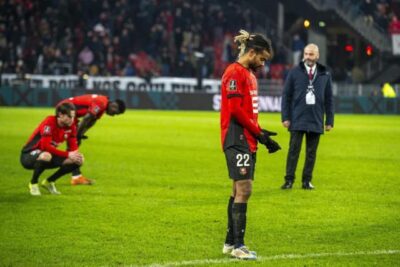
(49, 133)
(238, 81)
(92, 103)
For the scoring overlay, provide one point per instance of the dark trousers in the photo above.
(296, 138)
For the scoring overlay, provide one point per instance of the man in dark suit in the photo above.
(307, 97)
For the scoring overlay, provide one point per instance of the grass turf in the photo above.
(162, 190)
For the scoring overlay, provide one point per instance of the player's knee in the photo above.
(244, 193)
(45, 156)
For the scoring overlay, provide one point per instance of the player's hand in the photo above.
(268, 133)
(286, 124)
(328, 128)
(76, 157)
(264, 136)
(272, 146)
(265, 139)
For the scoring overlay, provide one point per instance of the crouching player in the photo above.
(90, 108)
(41, 153)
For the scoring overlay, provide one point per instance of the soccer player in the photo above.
(41, 152)
(240, 132)
(91, 108)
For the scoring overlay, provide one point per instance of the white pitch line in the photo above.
(271, 258)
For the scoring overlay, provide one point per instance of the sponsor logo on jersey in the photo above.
(243, 171)
(232, 85)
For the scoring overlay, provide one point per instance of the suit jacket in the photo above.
(303, 117)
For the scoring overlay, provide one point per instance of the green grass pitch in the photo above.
(162, 188)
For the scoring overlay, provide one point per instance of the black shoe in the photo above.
(287, 185)
(307, 186)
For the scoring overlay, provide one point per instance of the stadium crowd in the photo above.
(143, 38)
(104, 37)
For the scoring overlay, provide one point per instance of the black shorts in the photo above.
(241, 164)
(28, 160)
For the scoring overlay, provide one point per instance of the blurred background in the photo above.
(51, 49)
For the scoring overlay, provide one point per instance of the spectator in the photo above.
(297, 49)
(86, 56)
(100, 35)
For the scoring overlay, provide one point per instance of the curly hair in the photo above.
(256, 41)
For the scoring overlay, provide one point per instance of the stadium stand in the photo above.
(150, 38)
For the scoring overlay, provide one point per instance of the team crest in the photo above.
(232, 85)
(47, 130)
(243, 171)
(96, 109)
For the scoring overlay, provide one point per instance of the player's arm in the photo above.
(73, 152)
(237, 112)
(85, 124)
(47, 146)
(72, 141)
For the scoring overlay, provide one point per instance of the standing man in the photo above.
(307, 95)
(240, 132)
(91, 108)
(41, 153)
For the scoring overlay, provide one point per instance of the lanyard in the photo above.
(311, 81)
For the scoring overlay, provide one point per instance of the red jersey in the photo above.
(48, 135)
(239, 108)
(93, 104)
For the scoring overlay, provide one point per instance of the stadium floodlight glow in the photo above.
(368, 50)
(321, 24)
(199, 54)
(307, 23)
(349, 48)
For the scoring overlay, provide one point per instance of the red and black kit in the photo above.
(239, 120)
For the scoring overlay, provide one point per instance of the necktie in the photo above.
(310, 74)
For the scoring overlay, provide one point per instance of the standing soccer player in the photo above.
(41, 153)
(240, 132)
(91, 108)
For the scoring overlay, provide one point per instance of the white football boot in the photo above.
(34, 189)
(227, 248)
(51, 187)
(243, 253)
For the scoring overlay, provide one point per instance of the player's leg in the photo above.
(241, 166)
(312, 141)
(239, 215)
(77, 177)
(229, 239)
(38, 161)
(296, 138)
(239, 210)
(65, 166)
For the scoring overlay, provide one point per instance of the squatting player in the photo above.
(91, 108)
(41, 153)
(240, 132)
